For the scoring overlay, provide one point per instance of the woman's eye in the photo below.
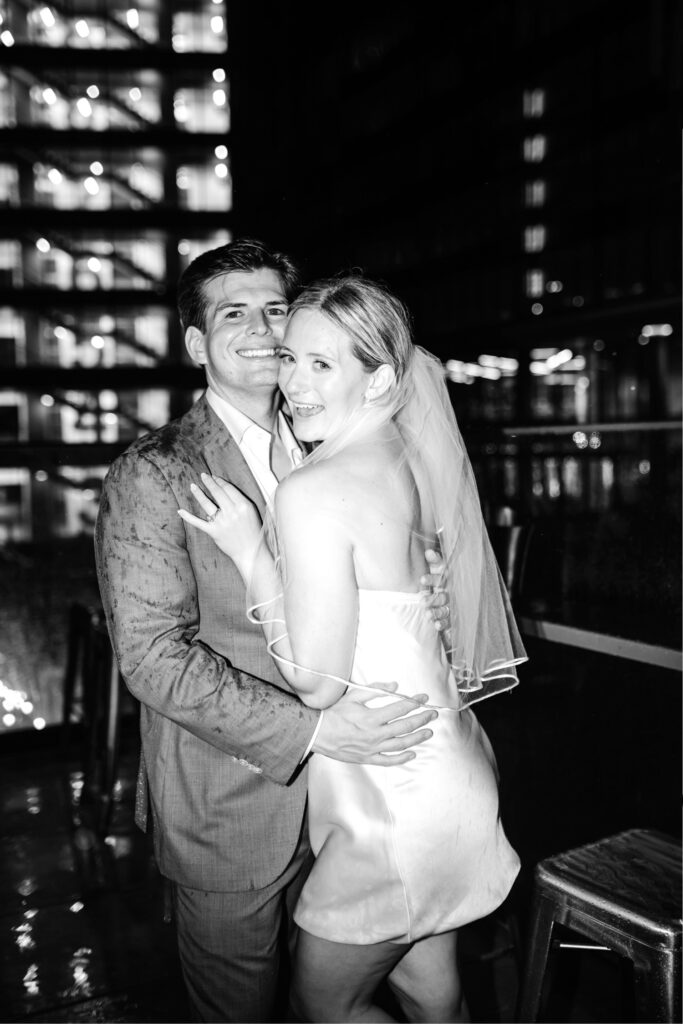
(320, 364)
(285, 357)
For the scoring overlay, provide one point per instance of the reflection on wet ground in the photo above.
(83, 936)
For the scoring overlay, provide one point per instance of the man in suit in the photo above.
(224, 742)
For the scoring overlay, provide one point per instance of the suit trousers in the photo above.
(235, 946)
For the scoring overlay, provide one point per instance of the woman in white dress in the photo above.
(403, 855)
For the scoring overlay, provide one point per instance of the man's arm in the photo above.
(149, 595)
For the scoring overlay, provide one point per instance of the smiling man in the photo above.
(224, 741)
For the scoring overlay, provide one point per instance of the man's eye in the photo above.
(232, 314)
(277, 311)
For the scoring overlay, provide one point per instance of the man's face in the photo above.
(245, 324)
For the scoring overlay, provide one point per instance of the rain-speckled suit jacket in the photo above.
(221, 745)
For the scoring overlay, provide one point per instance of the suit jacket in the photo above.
(222, 736)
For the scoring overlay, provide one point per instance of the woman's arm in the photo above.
(319, 605)
(320, 589)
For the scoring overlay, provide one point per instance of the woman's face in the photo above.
(323, 382)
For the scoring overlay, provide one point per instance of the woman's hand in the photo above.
(233, 520)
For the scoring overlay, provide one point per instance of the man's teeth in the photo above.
(258, 353)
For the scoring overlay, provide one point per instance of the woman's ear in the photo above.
(381, 380)
(194, 343)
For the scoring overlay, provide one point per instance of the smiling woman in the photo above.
(323, 382)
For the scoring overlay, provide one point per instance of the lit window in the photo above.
(219, 75)
(534, 102)
(82, 28)
(221, 171)
(6, 38)
(217, 24)
(84, 107)
(50, 96)
(219, 97)
(43, 245)
(221, 152)
(534, 283)
(93, 92)
(96, 167)
(133, 18)
(47, 17)
(135, 94)
(180, 110)
(534, 238)
(91, 186)
(535, 148)
(534, 193)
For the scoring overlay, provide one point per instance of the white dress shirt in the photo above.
(254, 442)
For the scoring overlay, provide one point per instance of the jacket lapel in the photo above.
(219, 452)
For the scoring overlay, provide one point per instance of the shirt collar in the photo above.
(237, 422)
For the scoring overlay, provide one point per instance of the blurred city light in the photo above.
(657, 330)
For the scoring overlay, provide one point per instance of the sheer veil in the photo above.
(483, 645)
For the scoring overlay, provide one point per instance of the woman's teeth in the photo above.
(306, 410)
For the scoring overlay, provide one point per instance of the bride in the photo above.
(403, 857)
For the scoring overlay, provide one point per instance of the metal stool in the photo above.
(78, 664)
(623, 892)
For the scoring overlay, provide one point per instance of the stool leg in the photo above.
(657, 983)
(542, 919)
(78, 626)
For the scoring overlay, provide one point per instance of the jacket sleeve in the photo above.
(149, 595)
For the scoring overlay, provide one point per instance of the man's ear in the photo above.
(194, 343)
(381, 380)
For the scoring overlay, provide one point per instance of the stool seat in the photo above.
(623, 892)
(631, 880)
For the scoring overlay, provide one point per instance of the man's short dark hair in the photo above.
(245, 254)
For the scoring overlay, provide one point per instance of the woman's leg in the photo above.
(426, 981)
(334, 981)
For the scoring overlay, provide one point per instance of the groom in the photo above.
(224, 742)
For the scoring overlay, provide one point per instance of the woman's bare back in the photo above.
(376, 499)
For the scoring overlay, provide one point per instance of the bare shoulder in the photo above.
(329, 488)
(311, 489)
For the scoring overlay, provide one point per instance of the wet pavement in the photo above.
(82, 931)
(82, 935)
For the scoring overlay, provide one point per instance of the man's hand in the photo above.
(351, 731)
(437, 598)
